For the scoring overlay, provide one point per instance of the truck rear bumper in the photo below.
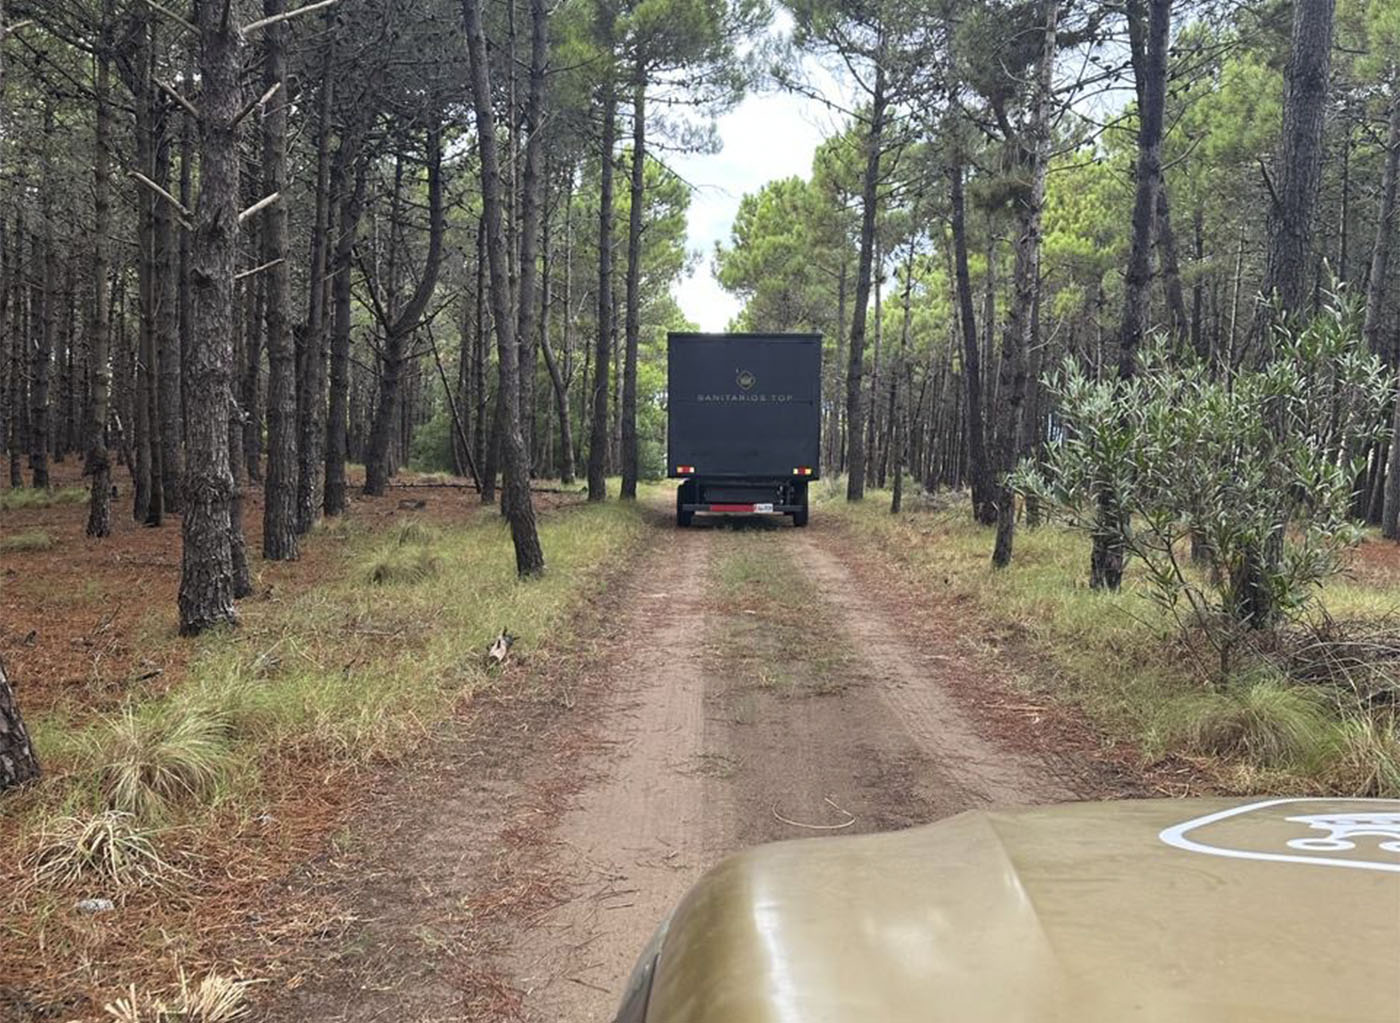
(758, 508)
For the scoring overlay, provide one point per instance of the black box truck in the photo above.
(744, 429)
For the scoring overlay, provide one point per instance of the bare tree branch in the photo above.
(260, 102)
(264, 22)
(188, 25)
(261, 204)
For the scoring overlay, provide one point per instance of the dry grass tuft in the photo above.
(1367, 758)
(215, 999)
(400, 566)
(1268, 722)
(148, 760)
(110, 847)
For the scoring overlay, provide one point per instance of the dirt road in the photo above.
(752, 688)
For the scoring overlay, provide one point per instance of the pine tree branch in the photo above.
(261, 101)
(173, 94)
(189, 26)
(265, 22)
(258, 206)
(185, 214)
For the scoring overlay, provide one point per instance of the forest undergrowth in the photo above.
(161, 821)
(1309, 709)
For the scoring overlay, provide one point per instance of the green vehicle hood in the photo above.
(1161, 910)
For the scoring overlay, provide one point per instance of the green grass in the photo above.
(1121, 660)
(28, 541)
(25, 497)
(347, 673)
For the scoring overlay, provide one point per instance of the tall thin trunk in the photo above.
(855, 402)
(1375, 302)
(529, 557)
(398, 332)
(1290, 220)
(1019, 332)
(15, 428)
(530, 215)
(206, 571)
(98, 465)
(166, 369)
(1106, 559)
(312, 400)
(634, 286)
(349, 198)
(280, 492)
(556, 376)
(598, 435)
(979, 469)
(41, 274)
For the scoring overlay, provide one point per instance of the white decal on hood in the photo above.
(1377, 825)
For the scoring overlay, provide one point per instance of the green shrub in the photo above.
(1246, 467)
(431, 447)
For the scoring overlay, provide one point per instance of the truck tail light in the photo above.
(802, 470)
(685, 470)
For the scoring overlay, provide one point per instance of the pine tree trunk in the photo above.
(1018, 334)
(17, 761)
(1106, 558)
(979, 469)
(633, 320)
(531, 195)
(565, 460)
(398, 333)
(280, 491)
(98, 464)
(311, 401)
(855, 401)
(529, 558)
(1375, 305)
(41, 275)
(1290, 220)
(598, 435)
(349, 198)
(206, 571)
(167, 343)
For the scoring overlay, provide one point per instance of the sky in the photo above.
(768, 135)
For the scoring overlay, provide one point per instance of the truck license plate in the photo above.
(763, 508)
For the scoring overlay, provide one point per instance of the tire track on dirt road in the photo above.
(712, 752)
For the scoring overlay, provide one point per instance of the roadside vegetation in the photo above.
(156, 826)
(1306, 707)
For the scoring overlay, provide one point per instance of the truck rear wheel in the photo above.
(683, 517)
(799, 517)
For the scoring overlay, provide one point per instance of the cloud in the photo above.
(767, 136)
